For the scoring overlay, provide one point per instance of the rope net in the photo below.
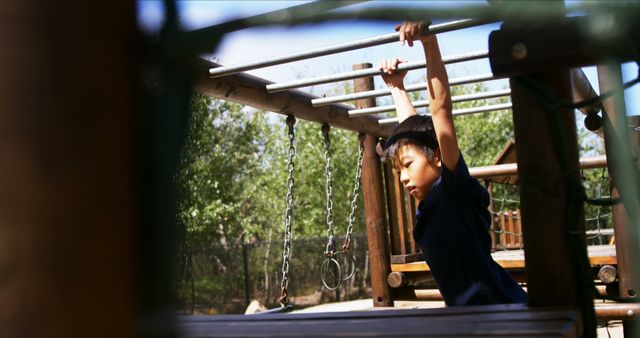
(506, 220)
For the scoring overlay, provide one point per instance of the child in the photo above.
(452, 227)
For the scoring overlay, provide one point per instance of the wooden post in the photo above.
(69, 216)
(402, 213)
(373, 191)
(609, 77)
(543, 191)
(553, 269)
(411, 218)
(492, 227)
(397, 245)
(245, 266)
(625, 224)
(511, 238)
(503, 230)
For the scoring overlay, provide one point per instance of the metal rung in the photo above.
(466, 111)
(278, 87)
(369, 42)
(323, 101)
(425, 103)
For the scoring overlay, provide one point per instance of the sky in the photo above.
(259, 43)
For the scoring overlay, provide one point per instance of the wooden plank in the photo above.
(514, 259)
(402, 224)
(518, 229)
(511, 238)
(477, 321)
(395, 233)
(408, 258)
(503, 230)
(373, 191)
(411, 213)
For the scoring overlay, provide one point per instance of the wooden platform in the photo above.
(476, 321)
(514, 259)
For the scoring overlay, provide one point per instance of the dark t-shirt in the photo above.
(453, 233)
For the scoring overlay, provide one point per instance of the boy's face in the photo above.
(417, 174)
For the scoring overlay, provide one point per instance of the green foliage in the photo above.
(481, 137)
(311, 198)
(224, 149)
(231, 191)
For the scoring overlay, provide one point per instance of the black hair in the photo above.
(416, 130)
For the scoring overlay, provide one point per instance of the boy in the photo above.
(452, 227)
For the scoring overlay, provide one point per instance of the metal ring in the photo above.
(326, 268)
(350, 263)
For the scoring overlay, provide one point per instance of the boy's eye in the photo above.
(407, 164)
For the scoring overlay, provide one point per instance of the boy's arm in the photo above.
(438, 92)
(394, 79)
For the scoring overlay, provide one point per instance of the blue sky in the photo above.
(258, 43)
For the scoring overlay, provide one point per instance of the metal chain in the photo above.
(356, 190)
(331, 245)
(284, 285)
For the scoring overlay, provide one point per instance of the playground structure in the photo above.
(93, 230)
(397, 267)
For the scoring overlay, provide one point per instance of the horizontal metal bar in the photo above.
(425, 103)
(456, 112)
(343, 47)
(249, 90)
(476, 110)
(409, 88)
(511, 169)
(278, 87)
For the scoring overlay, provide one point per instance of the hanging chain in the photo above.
(284, 285)
(331, 245)
(356, 190)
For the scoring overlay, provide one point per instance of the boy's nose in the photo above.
(404, 178)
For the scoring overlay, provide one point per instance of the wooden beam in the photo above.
(402, 213)
(514, 259)
(374, 206)
(610, 77)
(251, 91)
(520, 49)
(397, 245)
(511, 169)
(583, 90)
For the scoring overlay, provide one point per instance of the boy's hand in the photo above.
(410, 31)
(393, 77)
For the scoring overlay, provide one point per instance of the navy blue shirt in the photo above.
(453, 233)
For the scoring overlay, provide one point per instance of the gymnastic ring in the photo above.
(324, 269)
(351, 263)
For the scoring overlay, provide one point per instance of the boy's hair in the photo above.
(416, 130)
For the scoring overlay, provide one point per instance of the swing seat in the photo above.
(485, 321)
(282, 309)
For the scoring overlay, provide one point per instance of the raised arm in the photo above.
(438, 92)
(394, 79)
